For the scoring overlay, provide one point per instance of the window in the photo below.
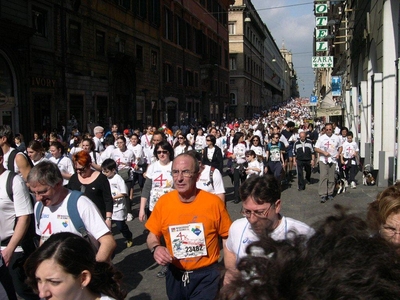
(154, 61)
(196, 79)
(232, 63)
(139, 55)
(39, 21)
(232, 27)
(179, 71)
(74, 35)
(233, 99)
(154, 12)
(167, 73)
(140, 7)
(168, 25)
(125, 3)
(121, 46)
(100, 42)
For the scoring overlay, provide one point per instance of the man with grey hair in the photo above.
(98, 133)
(45, 182)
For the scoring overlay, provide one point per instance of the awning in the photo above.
(328, 112)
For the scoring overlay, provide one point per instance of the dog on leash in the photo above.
(341, 183)
(368, 179)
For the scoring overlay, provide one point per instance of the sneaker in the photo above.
(330, 197)
(129, 243)
(353, 185)
(129, 217)
(323, 199)
(162, 272)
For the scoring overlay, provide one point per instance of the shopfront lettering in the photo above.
(43, 82)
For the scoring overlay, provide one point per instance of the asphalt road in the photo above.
(140, 269)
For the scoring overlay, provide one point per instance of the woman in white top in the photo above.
(190, 136)
(221, 141)
(63, 162)
(238, 148)
(36, 152)
(50, 272)
(181, 145)
(158, 178)
(200, 141)
(255, 145)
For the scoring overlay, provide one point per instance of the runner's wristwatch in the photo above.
(154, 249)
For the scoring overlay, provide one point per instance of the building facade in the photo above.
(364, 39)
(260, 74)
(129, 62)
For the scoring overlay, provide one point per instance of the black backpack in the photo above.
(11, 159)
(30, 241)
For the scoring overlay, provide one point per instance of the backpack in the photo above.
(11, 159)
(212, 169)
(73, 213)
(30, 241)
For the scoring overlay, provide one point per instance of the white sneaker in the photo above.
(353, 185)
(129, 217)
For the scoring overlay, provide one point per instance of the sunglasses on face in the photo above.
(162, 152)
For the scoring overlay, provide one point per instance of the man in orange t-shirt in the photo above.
(190, 220)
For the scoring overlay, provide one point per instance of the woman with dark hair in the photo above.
(36, 152)
(64, 163)
(65, 267)
(124, 158)
(181, 145)
(238, 150)
(212, 155)
(199, 140)
(158, 182)
(158, 178)
(92, 184)
(88, 146)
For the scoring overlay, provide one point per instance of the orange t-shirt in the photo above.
(206, 209)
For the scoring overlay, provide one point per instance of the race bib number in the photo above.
(188, 240)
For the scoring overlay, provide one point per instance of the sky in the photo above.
(292, 22)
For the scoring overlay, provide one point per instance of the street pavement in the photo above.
(140, 269)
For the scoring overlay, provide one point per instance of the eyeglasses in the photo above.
(389, 230)
(185, 173)
(40, 193)
(162, 152)
(328, 129)
(262, 214)
(80, 169)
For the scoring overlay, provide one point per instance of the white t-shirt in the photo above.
(204, 182)
(200, 142)
(139, 156)
(181, 149)
(254, 164)
(55, 219)
(118, 186)
(65, 165)
(161, 181)
(107, 152)
(123, 159)
(21, 205)
(241, 234)
(349, 150)
(329, 144)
